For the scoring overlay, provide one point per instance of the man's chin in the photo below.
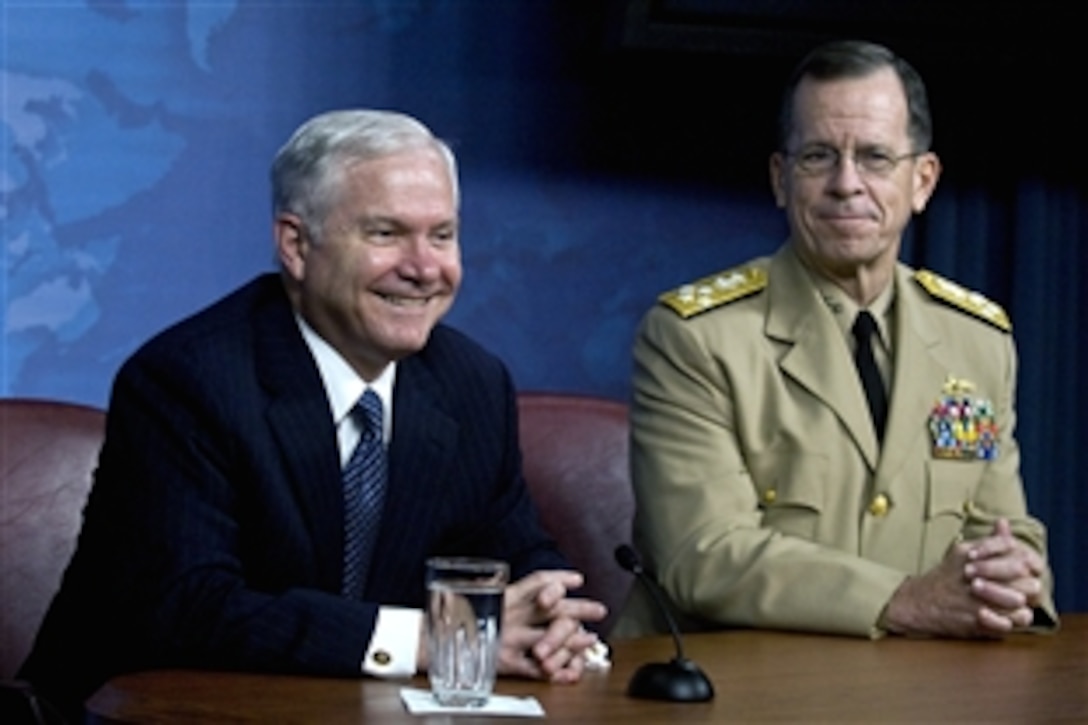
(402, 345)
(851, 251)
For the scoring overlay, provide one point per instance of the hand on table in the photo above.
(982, 588)
(542, 633)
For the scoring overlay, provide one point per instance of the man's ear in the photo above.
(292, 244)
(927, 170)
(778, 172)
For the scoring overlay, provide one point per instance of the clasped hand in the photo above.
(1005, 575)
(982, 588)
(542, 632)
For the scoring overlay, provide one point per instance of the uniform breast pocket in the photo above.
(791, 485)
(949, 488)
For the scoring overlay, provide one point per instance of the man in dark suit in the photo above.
(215, 532)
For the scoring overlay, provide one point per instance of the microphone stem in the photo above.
(663, 607)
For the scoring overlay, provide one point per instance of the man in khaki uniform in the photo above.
(770, 492)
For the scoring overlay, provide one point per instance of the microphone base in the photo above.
(680, 680)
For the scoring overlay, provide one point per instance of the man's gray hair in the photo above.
(308, 168)
(856, 59)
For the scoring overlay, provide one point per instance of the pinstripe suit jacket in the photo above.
(213, 536)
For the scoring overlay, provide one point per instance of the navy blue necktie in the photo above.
(873, 384)
(364, 492)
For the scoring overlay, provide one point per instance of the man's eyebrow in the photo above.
(396, 223)
(378, 220)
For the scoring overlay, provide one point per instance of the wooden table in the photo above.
(757, 675)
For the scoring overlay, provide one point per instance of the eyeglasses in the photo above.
(871, 160)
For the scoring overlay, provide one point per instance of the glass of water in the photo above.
(464, 617)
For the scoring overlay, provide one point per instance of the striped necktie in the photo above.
(364, 492)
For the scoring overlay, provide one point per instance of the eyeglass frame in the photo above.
(862, 157)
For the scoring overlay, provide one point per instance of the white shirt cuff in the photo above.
(395, 643)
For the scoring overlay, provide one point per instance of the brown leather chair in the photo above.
(48, 452)
(574, 451)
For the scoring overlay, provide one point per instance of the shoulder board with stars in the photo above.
(964, 299)
(714, 291)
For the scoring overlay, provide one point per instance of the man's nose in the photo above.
(845, 177)
(419, 259)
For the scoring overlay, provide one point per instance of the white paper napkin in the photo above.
(422, 702)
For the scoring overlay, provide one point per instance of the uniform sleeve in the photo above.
(699, 519)
(1001, 492)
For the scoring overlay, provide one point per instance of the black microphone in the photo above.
(679, 680)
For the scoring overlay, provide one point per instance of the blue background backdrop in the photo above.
(609, 151)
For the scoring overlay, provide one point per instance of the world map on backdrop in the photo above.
(65, 115)
(133, 188)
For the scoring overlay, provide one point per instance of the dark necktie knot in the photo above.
(864, 327)
(368, 415)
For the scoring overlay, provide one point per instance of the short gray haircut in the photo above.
(309, 167)
(856, 59)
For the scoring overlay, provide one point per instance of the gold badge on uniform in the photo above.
(962, 426)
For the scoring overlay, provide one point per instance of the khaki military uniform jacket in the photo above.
(764, 498)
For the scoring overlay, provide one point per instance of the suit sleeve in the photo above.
(484, 501)
(212, 569)
(517, 533)
(698, 517)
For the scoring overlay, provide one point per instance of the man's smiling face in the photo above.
(386, 264)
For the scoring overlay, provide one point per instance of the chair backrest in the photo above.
(48, 452)
(574, 451)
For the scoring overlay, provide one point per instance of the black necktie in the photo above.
(364, 492)
(864, 327)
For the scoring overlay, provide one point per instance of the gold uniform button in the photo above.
(770, 495)
(381, 657)
(879, 505)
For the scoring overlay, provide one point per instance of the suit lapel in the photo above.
(420, 455)
(425, 434)
(298, 416)
(818, 358)
(916, 368)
